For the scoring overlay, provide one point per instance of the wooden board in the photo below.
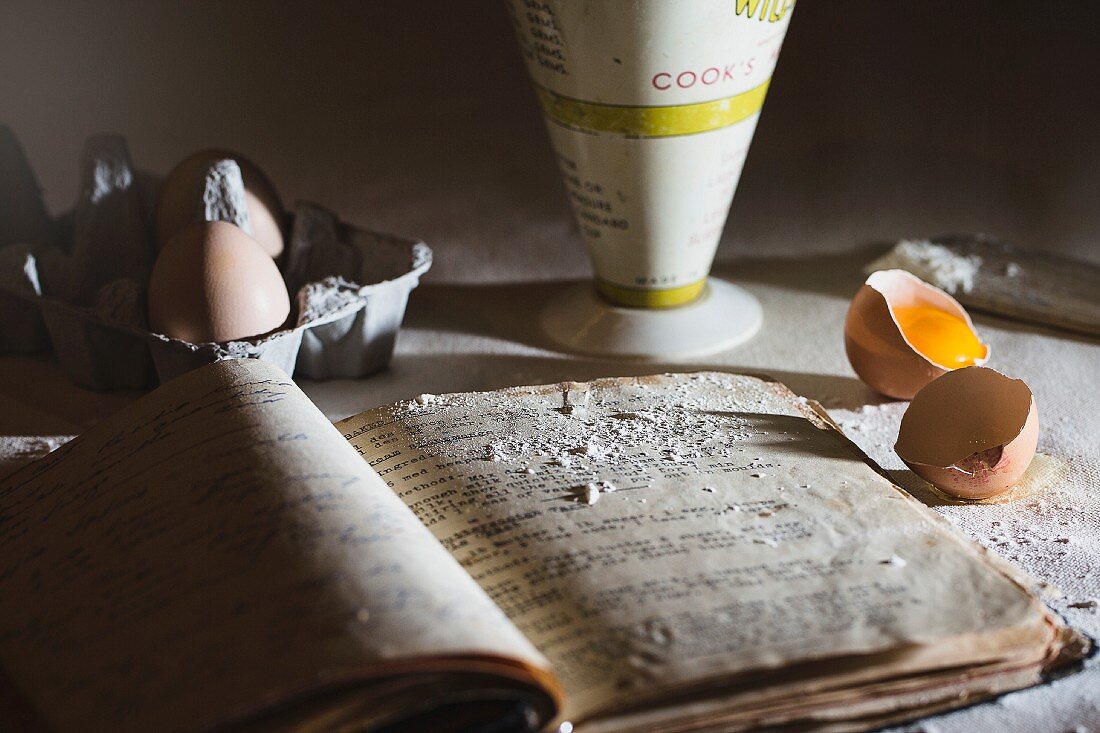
(1006, 281)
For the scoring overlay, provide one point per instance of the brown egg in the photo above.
(901, 333)
(181, 194)
(971, 433)
(213, 282)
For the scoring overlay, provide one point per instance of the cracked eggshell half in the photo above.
(971, 433)
(878, 349)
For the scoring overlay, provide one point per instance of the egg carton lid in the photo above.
(352, 284)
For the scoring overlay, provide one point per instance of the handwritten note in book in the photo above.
(214, 548)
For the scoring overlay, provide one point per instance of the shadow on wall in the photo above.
(418, 118)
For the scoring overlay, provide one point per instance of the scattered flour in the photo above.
(590, 493)
(17, 450)
(497, 451)
(932, 262)
(690, 425)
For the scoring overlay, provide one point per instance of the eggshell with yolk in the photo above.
(876, 346)
(971, 433)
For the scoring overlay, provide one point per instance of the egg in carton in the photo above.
(88, 299)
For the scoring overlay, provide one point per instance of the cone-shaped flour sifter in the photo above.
(651, 106)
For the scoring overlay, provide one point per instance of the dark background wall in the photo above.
(886, 119)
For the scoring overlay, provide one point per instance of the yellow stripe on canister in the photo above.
(639, 298)
(647, 122)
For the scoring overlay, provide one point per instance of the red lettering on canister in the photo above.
(658, 76)
(709, 76)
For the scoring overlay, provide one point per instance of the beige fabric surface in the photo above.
(466, 337)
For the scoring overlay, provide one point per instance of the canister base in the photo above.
(724, 316)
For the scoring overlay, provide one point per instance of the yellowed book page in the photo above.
(215, 548)
(647, 533)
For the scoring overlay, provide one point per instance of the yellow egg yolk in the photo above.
(942, 338)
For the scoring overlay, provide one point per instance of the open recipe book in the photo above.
(696, 552)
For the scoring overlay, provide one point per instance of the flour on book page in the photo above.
(733, 530)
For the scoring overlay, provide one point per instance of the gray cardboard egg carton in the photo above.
(77, 283)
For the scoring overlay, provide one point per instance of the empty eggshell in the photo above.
(971, 433)
(181, 194)
(214, 283)
(877, 348)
